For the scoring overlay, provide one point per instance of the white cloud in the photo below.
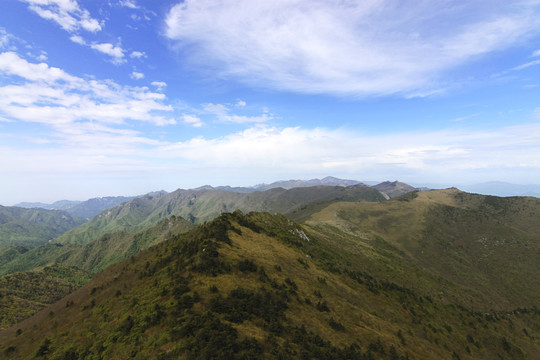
(116, 52)
(160, 85)
(462, 118)
(6, 40)
(242, 119)
(77, 39)
(536, 53)
(192, 120)
(527, 65)
(66, 13)
(223, 114)
(433, 156)
(125, 158)
(240, 103)
(348, 47)
(216, 109)
(137, 54)
(129, 4)
(136, 75)
(12, 64)
(73, 107)
(447, 156)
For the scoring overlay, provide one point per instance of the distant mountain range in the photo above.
(91, 207)
(85, 209)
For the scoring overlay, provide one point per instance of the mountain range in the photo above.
(327, 272)
(33, 227)
(435, 274)
(84, 209)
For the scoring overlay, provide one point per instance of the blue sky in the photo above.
(124, 97)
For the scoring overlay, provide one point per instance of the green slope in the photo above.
(98, 254)
(27, 268)
(480, 251)
(23, 294)
(260, 286)
(33, 227)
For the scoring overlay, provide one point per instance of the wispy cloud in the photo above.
(462, 118)
(347, 47)
(527, 65)
(66, 13)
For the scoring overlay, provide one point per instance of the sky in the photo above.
(125, 97)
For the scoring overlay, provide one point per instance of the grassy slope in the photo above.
(256, 287)
(479, 251)
(33, 227)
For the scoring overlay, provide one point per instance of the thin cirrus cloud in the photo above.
(75, 108)
(360, 48)
(66, 13)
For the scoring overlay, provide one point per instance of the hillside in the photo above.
(480, 251)
(98, 254)
(204, 205)
(26, 275)
(260, 286)
(33, 227)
